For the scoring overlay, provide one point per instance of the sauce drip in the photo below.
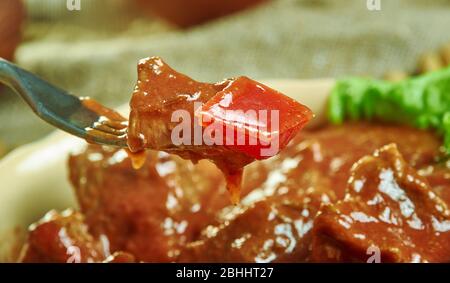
(234, 182)
(137, 158)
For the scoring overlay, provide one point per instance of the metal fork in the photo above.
(81, 117)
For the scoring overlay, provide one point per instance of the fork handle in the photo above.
(10, 76)
(35, 91)
(20, 81)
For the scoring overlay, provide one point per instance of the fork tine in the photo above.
(115, 124)
(81, 117)
(104, 138)
(106, 128)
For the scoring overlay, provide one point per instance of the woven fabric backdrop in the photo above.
(94, 52)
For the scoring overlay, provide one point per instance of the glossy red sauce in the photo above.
(331, 195)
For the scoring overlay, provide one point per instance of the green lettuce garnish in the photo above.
(422, 102)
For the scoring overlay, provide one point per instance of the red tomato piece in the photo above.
(254, 117)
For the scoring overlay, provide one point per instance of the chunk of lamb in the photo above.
(389, 212)
(64, 238)
(150, 212)
(231, 123)
(275, 220)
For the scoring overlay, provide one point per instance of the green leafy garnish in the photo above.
(422, 102)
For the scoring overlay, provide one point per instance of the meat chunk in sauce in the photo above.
(231, 123)
(288, 190)
(287, 202)
(150, 212)
(275, 229)
(64, 238)
(387, 207)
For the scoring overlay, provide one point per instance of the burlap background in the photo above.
(94, 52)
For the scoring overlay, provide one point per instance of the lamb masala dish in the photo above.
(325, 195)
